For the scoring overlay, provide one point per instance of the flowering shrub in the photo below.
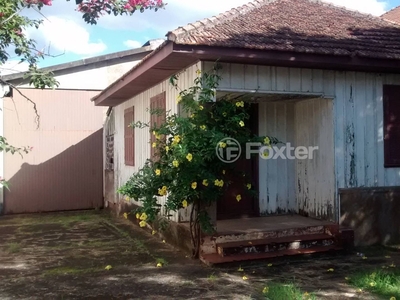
(187, 170)
(92, 10)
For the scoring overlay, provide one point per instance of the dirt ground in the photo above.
(65, 256)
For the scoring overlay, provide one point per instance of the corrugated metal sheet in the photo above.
(357, 115)
(64, 170)
(142, 136)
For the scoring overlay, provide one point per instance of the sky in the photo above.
(66, 37)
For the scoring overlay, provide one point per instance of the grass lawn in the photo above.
(384, 282)
(286, 291)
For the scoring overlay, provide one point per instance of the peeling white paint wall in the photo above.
(357, 117)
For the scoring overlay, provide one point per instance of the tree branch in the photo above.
(37, 116)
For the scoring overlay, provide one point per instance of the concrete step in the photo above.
(273, 245)
(213, 259)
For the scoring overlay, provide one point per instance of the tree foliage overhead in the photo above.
(13, 26)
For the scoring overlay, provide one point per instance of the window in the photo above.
(129, 134)
(158, 105)
(391, 125)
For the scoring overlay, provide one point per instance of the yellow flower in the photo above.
(189, 157)
(175, 163)
(201, 107)
(265, 290)
(240, 104)
(159, 265)
(178, 99)
(194, 185)
(331, 270)
(265, 153)
(166, 149)
(198, 72)
(158, 172)
(158, 136)
(241, 123)
(142, 224)
(392, 298)
(249, 186)
(306, 294)
(153, 232)
(267, 141)
(359, 290)
(137, 216)
(219, 183)
(392, 265)
(176, 139)
(203, 127)
(238, 198)
(240, 269)
(222, 145)
(224, 114)
(245, 277)
(125, 215)
(162, 191)
(205, 182)
(223, 172)
(143, 217)
(269, 265)
(109, 267)
(184, 203)
(372, 284)
(126, 198)
(154, 145)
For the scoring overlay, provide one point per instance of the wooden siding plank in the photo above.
(295, 79)
(282, 79)
(251, 77)
(264, 78)
(359, 120)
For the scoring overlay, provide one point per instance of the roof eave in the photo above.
(172, 58)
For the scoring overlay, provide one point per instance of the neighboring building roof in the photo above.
(117, 56)
(291, 33)
(393, 15)
(295, 25)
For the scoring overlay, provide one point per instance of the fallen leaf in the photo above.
(245, 278)
(108, 267)
(330, 270)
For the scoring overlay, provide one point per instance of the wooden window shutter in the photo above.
(391, 125)
(129, 135)
(156, 120)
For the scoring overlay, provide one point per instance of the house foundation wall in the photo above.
(373, 214)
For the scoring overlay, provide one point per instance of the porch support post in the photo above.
(4, 90)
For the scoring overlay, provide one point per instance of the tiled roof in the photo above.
(393, 15)
(305, 26)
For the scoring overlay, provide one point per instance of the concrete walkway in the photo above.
(88, 255)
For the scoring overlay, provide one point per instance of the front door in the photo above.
(238, 200)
